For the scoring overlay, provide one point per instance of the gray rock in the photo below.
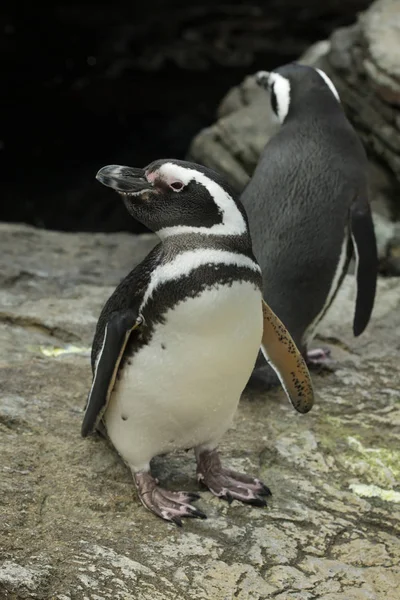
(363, 62)
(392, 259)
(71, 526)
(384, 231)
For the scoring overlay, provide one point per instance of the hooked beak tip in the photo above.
(127, 180)
(99, 175)
(108, 173)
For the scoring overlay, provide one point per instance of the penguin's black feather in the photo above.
(113, 331)
(116, 335)
(363, 237)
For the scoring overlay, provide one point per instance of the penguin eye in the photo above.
(176, 185)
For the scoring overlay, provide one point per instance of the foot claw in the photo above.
(196, 513)
(192, 496)
(257, 501)
(177, 521)
(227, 496)
(264, 490)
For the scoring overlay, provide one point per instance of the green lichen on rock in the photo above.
(376, 464)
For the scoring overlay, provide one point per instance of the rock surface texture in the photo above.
(363, 61)
(71, 527)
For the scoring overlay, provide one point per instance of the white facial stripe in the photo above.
(233, 222)
(282, 92)
(167, 175)
(329, 83)
(187, 262)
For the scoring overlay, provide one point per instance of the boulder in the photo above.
(363, 62)
(71, 525)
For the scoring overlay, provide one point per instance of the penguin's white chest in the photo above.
(182, 389)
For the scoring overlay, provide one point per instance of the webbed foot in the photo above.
(171, 506)
(319, 358)
(228, 484)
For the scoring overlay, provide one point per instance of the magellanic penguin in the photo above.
(176, 342)
(307, 206)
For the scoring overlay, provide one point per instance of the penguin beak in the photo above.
(263, 79)
(126, 180)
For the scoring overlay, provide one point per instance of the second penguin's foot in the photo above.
(171, 506)
(319, 358)
(228, 484)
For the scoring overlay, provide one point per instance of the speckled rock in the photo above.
(71, 526)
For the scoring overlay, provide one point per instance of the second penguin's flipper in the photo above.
(283, 356)
(116, 334)
(366, 256)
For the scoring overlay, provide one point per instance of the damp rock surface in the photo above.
(71, 526)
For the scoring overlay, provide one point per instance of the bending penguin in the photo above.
(308, 207)
(176, 342)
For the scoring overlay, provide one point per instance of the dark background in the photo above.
(84, 85)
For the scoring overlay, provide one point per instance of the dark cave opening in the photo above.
(88, 85)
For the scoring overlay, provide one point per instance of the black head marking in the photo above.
(274, 101)
(298, 89)
(172, 196)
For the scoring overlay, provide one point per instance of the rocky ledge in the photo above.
(71, 527)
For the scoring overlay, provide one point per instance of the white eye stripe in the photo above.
(282, 94)
(329, 83)
(232, 223)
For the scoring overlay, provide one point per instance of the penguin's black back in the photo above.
(298, 203)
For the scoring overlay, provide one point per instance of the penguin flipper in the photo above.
(116, 335)
(283, 356)
(366, 256)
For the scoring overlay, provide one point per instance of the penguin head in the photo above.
(296, 88)
(173, 196)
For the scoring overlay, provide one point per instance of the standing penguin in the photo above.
(176, 342)
(308, 208)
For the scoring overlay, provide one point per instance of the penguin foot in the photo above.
(228, 484)
(318, 357)
(318, 353)
(170, 506)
